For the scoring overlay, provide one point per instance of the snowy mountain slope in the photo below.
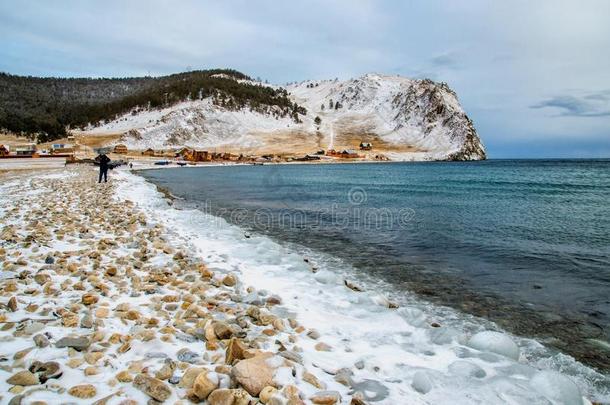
(399, 111)
(404, 119)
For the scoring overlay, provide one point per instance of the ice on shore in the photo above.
(495, 342)
(557, 387)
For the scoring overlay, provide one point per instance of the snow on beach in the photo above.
(127, 297)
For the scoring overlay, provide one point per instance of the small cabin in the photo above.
(120, 149)
(201, 156)
(149, 152)
(4, 150)
(25, 150)
(61, 148)
(366, 146)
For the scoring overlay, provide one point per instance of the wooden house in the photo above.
(366, 146)
(120, 149)
(4, 150)
(149, 152)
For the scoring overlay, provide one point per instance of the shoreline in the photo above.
(204, 304)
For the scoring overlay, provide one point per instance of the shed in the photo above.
(149, 152)
(366, 146)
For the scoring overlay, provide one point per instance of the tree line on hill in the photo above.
(46, 108)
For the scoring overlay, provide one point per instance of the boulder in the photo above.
(23, 378)
(235, 351)
(77, 343)
(188, 379)
(204, 384)
(254, 374)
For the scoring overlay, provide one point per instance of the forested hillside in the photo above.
(46, 107)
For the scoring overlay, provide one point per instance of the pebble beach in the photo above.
(102, 303)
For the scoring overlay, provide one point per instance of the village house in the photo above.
(120, 149)
(61, 148)
(201, 156)
(28, 149)
(349, 153)
(366, 146)
(149, 152)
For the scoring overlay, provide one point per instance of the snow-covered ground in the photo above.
(415, 354)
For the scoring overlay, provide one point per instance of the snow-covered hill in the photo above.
(404, 119)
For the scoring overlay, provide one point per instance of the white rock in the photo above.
(495, 342)
(557, 388)
(466, 369)
(422, 382)
(325, 277)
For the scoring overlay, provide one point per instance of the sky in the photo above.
(533, 75)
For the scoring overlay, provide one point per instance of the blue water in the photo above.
(525, 243)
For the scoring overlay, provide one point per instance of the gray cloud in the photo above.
(588, 105)
(446, 60)
(502, 58)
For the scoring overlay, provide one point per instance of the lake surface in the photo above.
(524, 243)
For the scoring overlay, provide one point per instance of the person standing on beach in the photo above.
(103, 160)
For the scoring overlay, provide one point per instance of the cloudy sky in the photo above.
(533, 75)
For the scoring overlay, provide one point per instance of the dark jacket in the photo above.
(104, 160)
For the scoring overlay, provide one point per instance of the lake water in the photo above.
(524, 243)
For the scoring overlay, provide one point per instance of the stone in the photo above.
(22, 353)
(235, 351)
(153, 387)
(189, 376)
(91, 371)
(204, 384)
(187, 356)
(224, 396)
(313, 334)
(83, 391)
(313, 380)
(41, 340)
(42, 278)
(75, 362)
(229, 280)
(86, 322)
(23, 378)
(102, 312)
(89, 299)
(46, 371)
(12, 304)
(124, 376)
(222, 330)
(326, 397)
(266, 393)
(77, 343)
(422, 382)
(254, 374)
(323, 347)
